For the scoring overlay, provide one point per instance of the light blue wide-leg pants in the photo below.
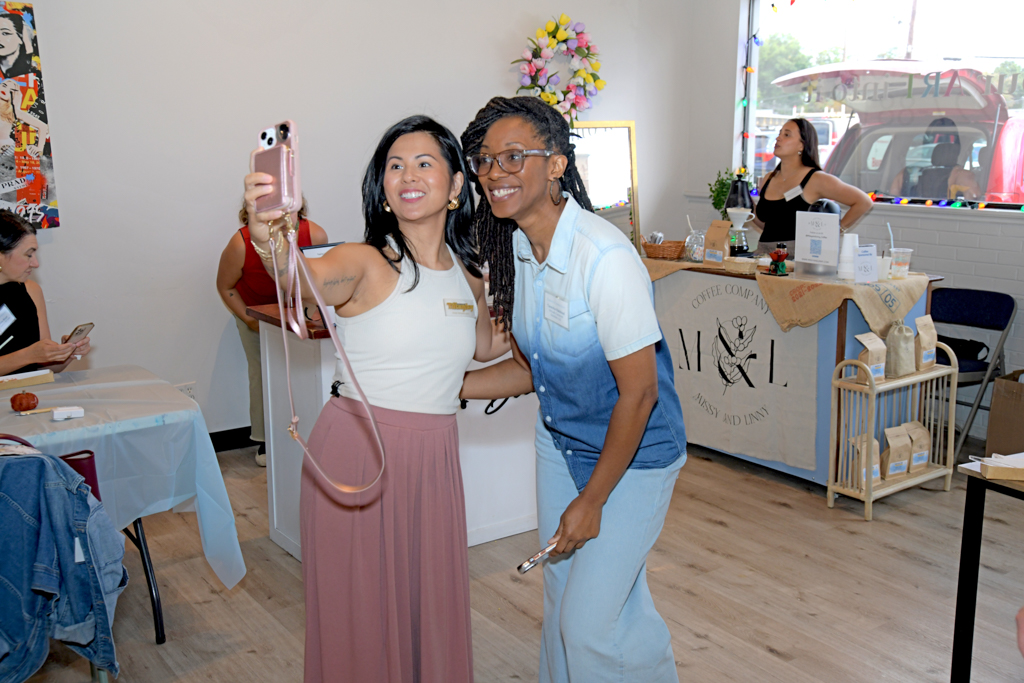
(600, 623)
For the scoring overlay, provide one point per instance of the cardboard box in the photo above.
(1006, 419)
(920, 446)
(896, 457)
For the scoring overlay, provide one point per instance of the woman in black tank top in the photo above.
(25, 342)
(797, 183)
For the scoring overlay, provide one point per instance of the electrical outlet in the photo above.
(187, 388)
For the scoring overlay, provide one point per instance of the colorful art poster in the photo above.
(26, 160)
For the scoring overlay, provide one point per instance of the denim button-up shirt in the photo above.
(591, 302)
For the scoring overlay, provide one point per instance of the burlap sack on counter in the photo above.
(803, 300)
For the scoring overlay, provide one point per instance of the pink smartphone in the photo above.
(278, 155)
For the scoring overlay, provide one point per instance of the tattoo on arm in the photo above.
(335, 282)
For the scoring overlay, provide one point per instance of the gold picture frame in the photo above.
(634, 203)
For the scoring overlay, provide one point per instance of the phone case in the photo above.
(278, 156)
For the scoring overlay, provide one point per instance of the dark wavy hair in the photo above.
(23, 63)
(381, 224)
(494, 235)
(13, 229)
(808, 136)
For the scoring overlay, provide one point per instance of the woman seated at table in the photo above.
(798, 182)
(243, 282)
(25, 342)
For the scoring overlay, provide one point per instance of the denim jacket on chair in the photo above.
(47, 516)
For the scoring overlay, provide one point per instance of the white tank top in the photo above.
(410, 352)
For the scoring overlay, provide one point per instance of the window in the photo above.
(906, 101)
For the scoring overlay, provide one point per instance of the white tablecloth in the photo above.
(153, 452)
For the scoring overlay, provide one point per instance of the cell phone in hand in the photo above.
(278, 156)
(78, 334)
(535, 560)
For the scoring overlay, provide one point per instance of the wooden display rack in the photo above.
(928, 396)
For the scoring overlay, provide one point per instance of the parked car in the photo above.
(764, 152)
(898, 147)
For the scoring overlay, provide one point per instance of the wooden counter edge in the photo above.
(268, 313)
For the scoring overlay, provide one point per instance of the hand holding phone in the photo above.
(278, 157)
(78, 334)
(535, 560)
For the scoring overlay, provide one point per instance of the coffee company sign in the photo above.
(746, 386)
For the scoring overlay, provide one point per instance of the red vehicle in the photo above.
(925, 130)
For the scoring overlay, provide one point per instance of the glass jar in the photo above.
(693, 248)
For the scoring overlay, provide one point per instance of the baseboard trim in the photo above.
(230, 439)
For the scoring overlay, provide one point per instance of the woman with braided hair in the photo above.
(610, 437)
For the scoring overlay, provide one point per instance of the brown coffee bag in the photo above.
(896, 458)
(872, 356)
(924, 344)
(860, 443)
(920, 445)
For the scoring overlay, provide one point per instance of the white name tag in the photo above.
(79, 555)
(790, 195)
(6, 318)
(556, 310)
(458, 308)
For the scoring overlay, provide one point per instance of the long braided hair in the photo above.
(494, 235)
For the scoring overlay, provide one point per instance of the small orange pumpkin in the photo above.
(24, 401)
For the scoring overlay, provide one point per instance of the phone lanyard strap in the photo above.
(291, 317)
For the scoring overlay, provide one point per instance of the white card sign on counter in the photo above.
(817, 238)
(865, 265)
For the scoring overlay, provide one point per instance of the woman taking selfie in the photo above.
(25, 342)
(385, 571)
(609, 435)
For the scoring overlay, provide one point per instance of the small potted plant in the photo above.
(719, 192)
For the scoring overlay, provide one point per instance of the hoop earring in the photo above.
(555, 191)
(453, 204)
(386, 207)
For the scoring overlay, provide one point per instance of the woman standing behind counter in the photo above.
(798, 182)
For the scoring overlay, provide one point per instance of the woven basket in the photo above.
(666, 250)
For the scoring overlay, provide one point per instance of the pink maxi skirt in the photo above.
(386, 572)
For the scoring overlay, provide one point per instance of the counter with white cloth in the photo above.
(153, 451)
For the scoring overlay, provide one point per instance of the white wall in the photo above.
(153, 113)
(154, 108)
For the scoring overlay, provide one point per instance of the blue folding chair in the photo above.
(981, 309)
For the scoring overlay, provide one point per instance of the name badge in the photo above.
(793, 194)
(6, 318)
(455, 308)
(556, 310)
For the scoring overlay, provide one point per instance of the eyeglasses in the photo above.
(510, 161)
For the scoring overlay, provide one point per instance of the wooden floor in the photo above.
(757, 579)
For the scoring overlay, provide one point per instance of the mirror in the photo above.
(606, 159)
